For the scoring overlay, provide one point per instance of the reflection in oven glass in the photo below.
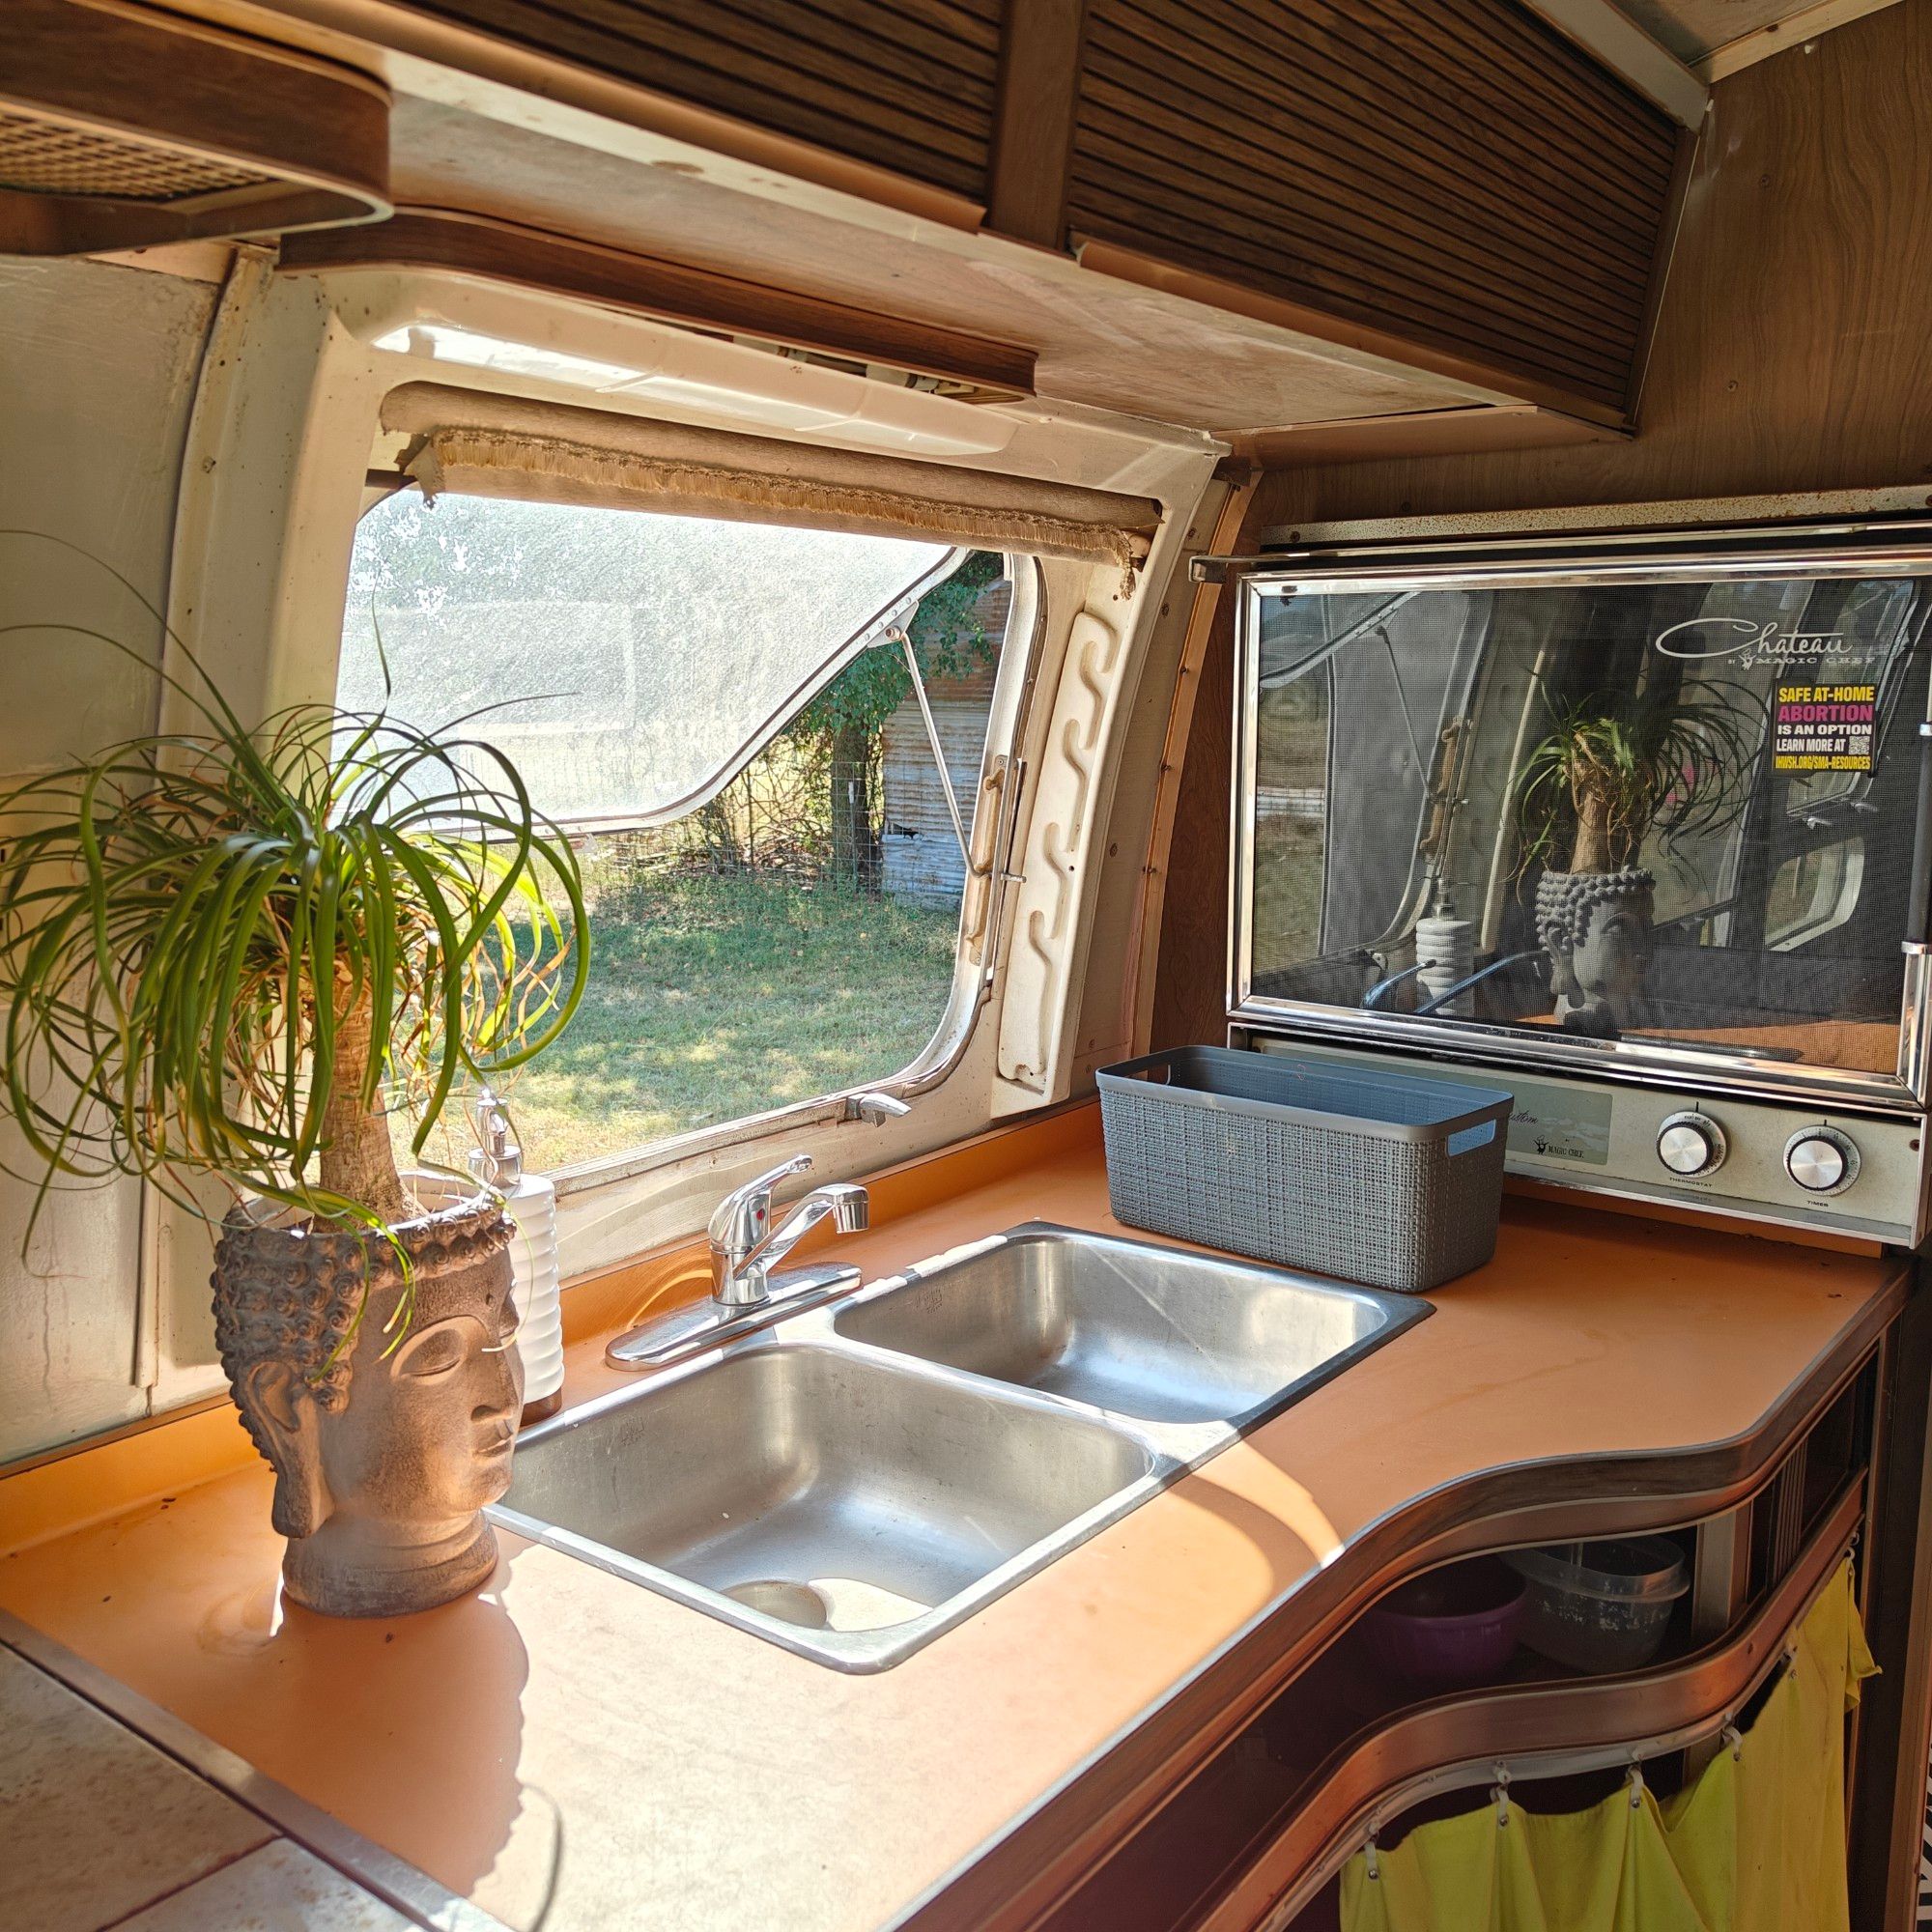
(1676, 810)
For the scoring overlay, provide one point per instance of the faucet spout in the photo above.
(746, 1247)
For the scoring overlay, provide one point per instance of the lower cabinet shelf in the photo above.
(1255, 1839)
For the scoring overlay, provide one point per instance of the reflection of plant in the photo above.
(1618, 766)
(214, 947)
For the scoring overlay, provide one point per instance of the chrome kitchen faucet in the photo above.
(745, 1246)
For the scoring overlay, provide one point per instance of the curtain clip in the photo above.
(1369, 1853)
(1502, 1794)
(1636, 1782)
(1734, 1737)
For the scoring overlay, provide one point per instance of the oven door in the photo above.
(1653, 814)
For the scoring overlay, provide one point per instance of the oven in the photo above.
(1638, 824)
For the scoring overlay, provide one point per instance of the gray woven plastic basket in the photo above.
(1393, 1180)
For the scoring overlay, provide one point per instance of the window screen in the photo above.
(626, 662)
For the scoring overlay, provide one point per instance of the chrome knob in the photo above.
(1689, 1144)
(1821, 1160)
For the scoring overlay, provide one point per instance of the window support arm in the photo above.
(938, 750)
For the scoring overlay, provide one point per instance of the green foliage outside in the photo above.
(947, 636)
(740, 961)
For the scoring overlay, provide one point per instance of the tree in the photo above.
(846, 720)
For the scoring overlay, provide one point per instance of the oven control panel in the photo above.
(1785, 1162)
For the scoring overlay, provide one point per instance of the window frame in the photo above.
(974, 966)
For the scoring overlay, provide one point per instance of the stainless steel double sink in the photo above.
(853, 1481)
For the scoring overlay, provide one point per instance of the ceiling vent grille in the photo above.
(123, 127)
(44, 157)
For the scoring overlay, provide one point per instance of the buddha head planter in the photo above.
(1595, 929)
(386, 1449)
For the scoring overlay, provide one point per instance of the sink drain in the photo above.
(778, 1597)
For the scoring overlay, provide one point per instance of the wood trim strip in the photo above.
(1794, 30)
(1143, 936)
(1043, 1859)
(1033, 120)
(1500, 380)
(1462, 432)
(480, 245)
(1669, 229)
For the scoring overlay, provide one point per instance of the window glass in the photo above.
(722, 717)
(1672, 810)
(648, 653)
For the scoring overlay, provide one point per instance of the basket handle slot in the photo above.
(1471, 1138)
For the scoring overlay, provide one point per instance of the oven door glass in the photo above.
(1671, 813)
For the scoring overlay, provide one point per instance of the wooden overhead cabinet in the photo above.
(123, 127)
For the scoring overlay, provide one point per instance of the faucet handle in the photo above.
(739, 1219)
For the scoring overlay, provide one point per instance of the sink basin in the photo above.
(855, 1479)
(812, 1488)
(1155, 1333)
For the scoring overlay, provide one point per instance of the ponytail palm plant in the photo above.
(1617, 765)
(222, 948)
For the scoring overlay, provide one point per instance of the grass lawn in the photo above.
(713, 998)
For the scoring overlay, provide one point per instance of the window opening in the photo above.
(737, 724)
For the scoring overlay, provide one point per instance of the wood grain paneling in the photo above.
(907, 85)
(1040, 91)
(124, 127)
(1190, 992)
(1794, 338)
(1450, 170)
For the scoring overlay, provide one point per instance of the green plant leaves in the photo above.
(188, 921)
(1625, 764)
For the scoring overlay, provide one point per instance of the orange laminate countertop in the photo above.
(568, 1739)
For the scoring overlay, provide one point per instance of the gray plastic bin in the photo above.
(1393, 1180)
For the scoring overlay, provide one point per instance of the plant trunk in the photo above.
(855, 852)
(358, 1162)
(1592, 852)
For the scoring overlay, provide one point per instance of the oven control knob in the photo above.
(1689, 1144)
(1821, 1160)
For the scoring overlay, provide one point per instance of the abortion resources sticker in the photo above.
(1824, 728)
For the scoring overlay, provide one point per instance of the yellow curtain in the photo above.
(1755, 1844)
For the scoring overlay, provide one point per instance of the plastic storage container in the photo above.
(1389, 1178)
(1601, 1607)
(1451, 1629)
